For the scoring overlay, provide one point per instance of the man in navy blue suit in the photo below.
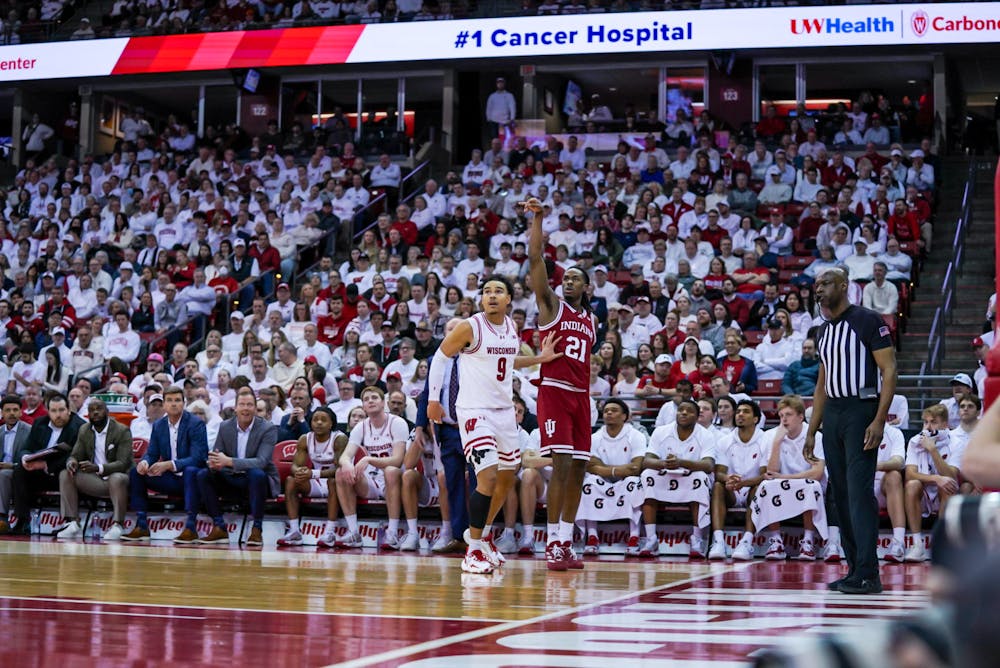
(178, 449)
(452, 455)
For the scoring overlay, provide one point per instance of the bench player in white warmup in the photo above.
(889, 488)
(489, 346)
(739, 468)
(319, 447)
(377, 475)
(793, 484)
(612, 477)
(679, 464)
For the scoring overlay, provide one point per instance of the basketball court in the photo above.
(92, 604)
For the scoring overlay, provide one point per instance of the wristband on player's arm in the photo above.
(435, 378)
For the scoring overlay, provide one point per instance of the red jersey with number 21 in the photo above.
(577, 335)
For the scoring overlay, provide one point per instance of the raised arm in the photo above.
(548, 303)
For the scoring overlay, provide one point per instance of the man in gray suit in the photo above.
(14, 434)
(99, 467)
(240, 462)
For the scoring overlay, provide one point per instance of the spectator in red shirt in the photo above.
(267, 256)
(703, 375)
(332, 325)
(740, 371)
(222, 278)
(34, 407)
(407, 228)
(751, 279)
(903, 223)
(739, 309)
(658, 387)
(713, 233)
(771, 127)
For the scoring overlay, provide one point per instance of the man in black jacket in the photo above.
(57, 430)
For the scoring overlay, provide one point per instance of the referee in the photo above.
(857, 378)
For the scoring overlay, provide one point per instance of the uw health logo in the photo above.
(919, 23)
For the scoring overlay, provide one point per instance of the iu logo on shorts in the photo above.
(550, 428)
(470, 425)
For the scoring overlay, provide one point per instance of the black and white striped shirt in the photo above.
(845, 349)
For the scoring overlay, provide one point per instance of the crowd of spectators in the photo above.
(688, 247)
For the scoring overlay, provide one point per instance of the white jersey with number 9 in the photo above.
(486, 367)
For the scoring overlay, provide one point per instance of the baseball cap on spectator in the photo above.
(388, 324)
(723, 202)
(978, 342)
(418, 279)
(126, 265)
(774, 210)
(643, 227)
(238, 315)
(773, 171)
(727, 156)
(68, 237)
(642, 299)
(394, 376)
(423, 326)
(49, 274)
(310, 359)
(636, 272)
(155, 397)
(774, 323)
(601, 268)
(664, 358)
(488, 182)
(283, 286)
(319, 394)
(363, 256)
(917, 154)
(352, 290)
(239, 242)
(962, 379)
(860, 240)
(895, 151)
(123, 378)
(780, 151)
(626, 307)
(58, 330)
(155, 357)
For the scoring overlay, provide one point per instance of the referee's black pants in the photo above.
(852, 479)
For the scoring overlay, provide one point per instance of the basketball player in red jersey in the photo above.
(563, 399)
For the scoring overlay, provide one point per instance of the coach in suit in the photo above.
(15, 434)
(452, 454)
(99, 467)
(178, 448)
(57, 430)
(240, 462)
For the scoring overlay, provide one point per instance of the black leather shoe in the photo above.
(835, 585)
(22, 529)
(861, 587)
(455, 546)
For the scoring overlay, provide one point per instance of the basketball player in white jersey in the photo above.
(423, 486)
(740, 467)
(489, 345)
(382, 438)
(889, 488)
(320, 448)
(793, 485)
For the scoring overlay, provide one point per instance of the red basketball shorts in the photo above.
(564, 422)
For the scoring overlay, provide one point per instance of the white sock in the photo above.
(508, 532)
(633, 526)
(476, 544)
(411, 526)
(591, 528)
(918, 538)
(899, 534)
(293, 524)
(330, 526)
(553, 531)
(487, 531)
(565, 532)
(651, 530)
(696, 532)
(393, 529)
(352, 523)
(718, 536)
(446, 529)
(528, 532)
(834, 535)
(808, 535)
(747, 536)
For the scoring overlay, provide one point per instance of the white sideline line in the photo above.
(109, 613)
(85, 601)
(500, 628)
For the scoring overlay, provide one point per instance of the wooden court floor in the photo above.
(91, 604)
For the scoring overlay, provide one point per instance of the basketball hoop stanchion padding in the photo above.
(992, 389)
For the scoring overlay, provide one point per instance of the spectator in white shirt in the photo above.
(121, 343)
(773, 355)
(860, 266)
(880, 295)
